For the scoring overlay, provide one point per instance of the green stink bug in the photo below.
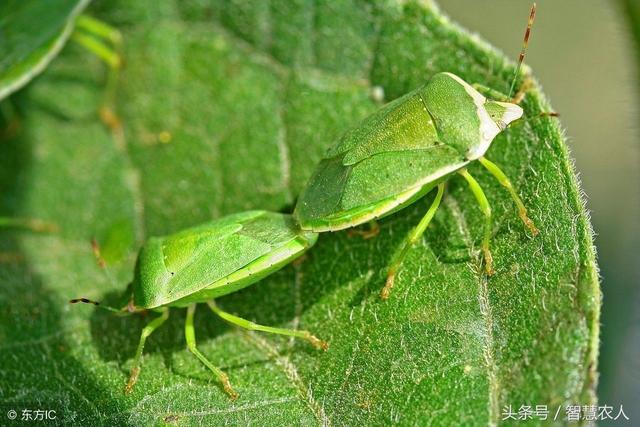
(208, 261)
(403, 151)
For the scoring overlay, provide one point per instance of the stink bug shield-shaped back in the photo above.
(205, 262)
(407, 148)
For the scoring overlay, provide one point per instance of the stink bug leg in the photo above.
(486, 211)
(415, 234)
(373, 231)
(243, 323)
(190, 335)
(505, 182)
(146, 331)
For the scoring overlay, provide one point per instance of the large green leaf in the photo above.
(248, 96)
(32, 32)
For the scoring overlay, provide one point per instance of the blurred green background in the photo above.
(584, 55)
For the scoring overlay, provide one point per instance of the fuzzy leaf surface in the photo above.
(228, 108)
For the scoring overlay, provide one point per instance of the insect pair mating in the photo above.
(391, 159)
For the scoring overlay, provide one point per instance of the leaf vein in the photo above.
(487, 316)
(291, 371)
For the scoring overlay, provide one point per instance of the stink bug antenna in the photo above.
(97, 304)
(523, 51)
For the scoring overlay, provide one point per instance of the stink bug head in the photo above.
(503, 113)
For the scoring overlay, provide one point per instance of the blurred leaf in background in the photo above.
(228, 107)
(32, 33)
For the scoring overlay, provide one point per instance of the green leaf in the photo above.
(248, 96)
(32, 33)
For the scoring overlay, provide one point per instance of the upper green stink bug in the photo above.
(205, 262)
(401, 152)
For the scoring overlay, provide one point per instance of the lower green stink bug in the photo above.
(208, 261)
(407, 148)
